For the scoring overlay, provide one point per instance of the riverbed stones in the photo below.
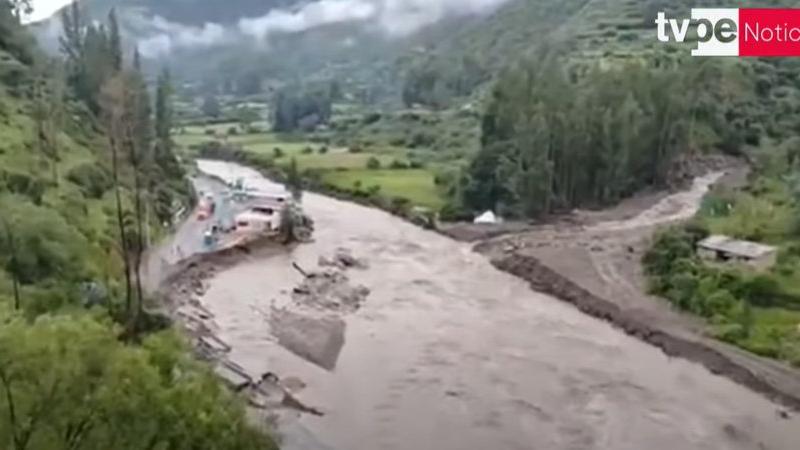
(329, 289)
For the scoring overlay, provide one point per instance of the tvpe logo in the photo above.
(736, 32)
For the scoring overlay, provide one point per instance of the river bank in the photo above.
(595, 265)
(448, 352)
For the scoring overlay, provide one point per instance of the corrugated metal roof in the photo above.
(736, 247)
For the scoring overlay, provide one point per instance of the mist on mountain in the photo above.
(159, 36)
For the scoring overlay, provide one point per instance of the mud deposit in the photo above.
(447, 352)
(546, 280)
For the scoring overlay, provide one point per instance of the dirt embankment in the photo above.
(544, 279)
(593, 262)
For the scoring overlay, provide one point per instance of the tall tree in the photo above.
(139, 151)
(211, 107)
(555, 141)
(170, 180)
(117, 119)
(294, 182)
(114, 41)
(48, 106)
(164, 113)
(13, 266)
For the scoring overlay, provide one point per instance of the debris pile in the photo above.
(295, 225)
(329, 290)
(311, 326)
(342, 259)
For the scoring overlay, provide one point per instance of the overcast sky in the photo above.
(45, 8)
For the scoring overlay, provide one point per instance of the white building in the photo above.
(726, 249)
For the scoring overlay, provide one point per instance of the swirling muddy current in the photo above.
(448, 353)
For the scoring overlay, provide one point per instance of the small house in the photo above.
(726, 249)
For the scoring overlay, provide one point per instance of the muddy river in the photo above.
(448, 353)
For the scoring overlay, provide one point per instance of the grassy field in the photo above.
(414, 184)
(338, 165)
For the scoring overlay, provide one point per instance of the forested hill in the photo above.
(84, 362)
(599, 109)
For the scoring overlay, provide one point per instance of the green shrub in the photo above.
(23, 184)
(373, 163)
(43, 245)
(374, 191)
(454, 212)
(400, 205)
(397, 164)
(92, 179)
(371, 118)
(761, 290)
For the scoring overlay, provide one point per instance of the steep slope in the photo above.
(71, 377)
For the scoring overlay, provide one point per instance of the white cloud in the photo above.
(401, 17)
(169, 36)
(43, 9)
(323, 12)
(392, 17)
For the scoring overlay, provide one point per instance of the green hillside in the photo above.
(82, 363)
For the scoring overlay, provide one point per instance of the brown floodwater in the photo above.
(449, 353)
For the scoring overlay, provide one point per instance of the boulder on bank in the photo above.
(316, 339)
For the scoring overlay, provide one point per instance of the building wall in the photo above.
(762, 263)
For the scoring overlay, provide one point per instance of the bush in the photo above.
(148, 396)
(422, 139)
(400, 205)
(46, 246)
(92, 179)
(277, 152)
(374, 191)
(308, 151)
(233, 131)
(209, 132)
(373, 163)
(669, 246)
(23, 184)
(454, 212)
(323, 150)
(397, 164)
(371, 118)
(761, 290)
